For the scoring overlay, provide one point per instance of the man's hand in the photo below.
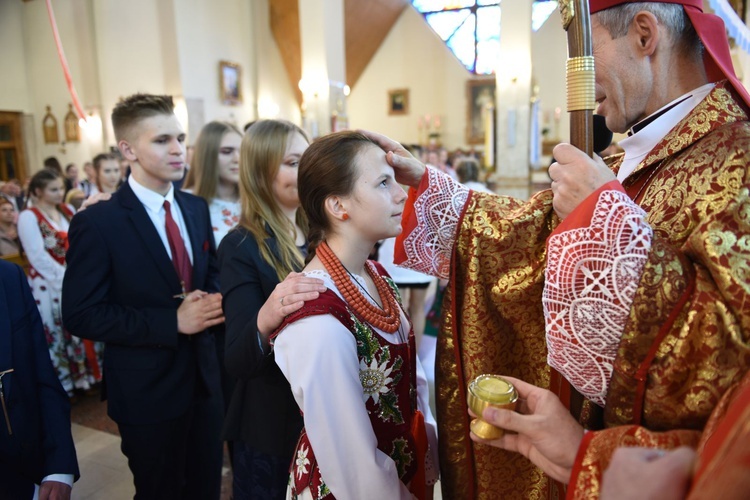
(199, 310)
(546, 432)
(54, 490)
(648, 474)
(408, 170)
(94, 199)
(574, 177)
(288, 296)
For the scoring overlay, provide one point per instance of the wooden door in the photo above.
(12, 157)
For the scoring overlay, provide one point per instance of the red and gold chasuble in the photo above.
(388, 373)
(682, 342)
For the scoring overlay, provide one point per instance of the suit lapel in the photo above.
(197, 237)
(149, 236)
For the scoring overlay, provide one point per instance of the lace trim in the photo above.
(438, 210)
(590, 281)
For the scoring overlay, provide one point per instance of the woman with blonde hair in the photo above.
(214, 174)
(267, 245)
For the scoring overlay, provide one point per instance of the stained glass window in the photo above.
(471, 28)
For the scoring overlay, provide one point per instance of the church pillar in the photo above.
(323, 82)
(512, 100)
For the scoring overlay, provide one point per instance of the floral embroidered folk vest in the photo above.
(389, 384)
(55, 242)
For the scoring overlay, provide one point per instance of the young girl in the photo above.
(107, 173)
(214, 175)
(43, 231)
(350, 355)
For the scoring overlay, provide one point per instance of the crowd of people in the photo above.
(244, 307)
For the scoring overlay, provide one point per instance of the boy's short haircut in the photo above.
(137, 107)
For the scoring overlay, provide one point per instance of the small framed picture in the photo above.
(398, 102)
(230, 83)
(479, 93)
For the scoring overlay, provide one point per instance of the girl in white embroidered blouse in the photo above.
(349, 355)
(215, 174)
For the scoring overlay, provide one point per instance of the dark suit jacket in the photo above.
(262, 412)
(119, 288)
(38, 407)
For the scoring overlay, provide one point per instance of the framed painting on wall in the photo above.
(230, 83)
(398, 102)
(480, 92)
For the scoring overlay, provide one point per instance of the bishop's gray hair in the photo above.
(617, 21)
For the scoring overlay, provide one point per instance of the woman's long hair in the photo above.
(203, 176)
(261, 154)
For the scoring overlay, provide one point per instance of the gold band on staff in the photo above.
(581, 83)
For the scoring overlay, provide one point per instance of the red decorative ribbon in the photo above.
(64, 63)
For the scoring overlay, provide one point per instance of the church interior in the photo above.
(473, 78)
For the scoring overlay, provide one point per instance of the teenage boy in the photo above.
(142, 277)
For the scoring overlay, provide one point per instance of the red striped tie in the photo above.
(180, 257)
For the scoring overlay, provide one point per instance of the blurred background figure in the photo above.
(468, 175)
(71, 177)
(90, 178)
(52, 163)
(107, 171)
(8, 232)
(75, 198)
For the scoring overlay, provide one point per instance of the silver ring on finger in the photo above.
(282, 301)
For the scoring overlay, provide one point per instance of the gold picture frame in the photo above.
(398, 102)
(230, 83)
(479, 93)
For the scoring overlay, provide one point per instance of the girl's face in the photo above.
(52, 193)
(285, 183)
(7, 213)
(109, 174)
(229, 158)
(377, 201)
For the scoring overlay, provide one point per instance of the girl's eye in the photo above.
(293, 163)
(226, 151)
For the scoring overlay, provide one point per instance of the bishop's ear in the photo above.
(648, 31)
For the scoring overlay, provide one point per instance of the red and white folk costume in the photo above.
(45, 243)
(359, 389)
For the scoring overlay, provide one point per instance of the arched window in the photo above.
(471, 28)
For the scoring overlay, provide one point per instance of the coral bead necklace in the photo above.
(387, 319)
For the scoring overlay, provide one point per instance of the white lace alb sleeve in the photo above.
(438, 210)
(591, 278)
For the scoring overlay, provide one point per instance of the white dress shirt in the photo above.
(153, 202)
